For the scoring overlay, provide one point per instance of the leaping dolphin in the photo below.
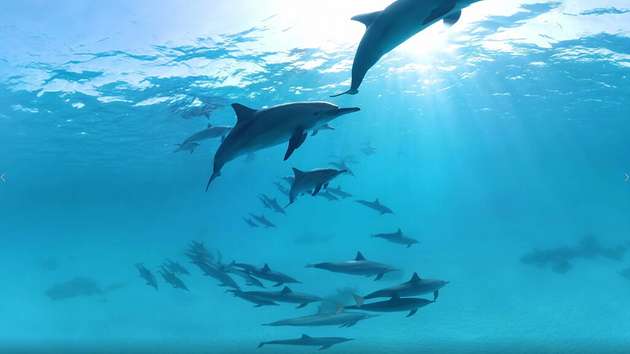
(387, 29)
(260, 129)
(321, 342)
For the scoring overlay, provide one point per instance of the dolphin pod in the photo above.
(387, 29)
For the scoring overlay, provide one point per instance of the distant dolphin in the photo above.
(311, 181)
(338, 192)
(358, 266)
(249, 279)
(329, 196)
(209, 133)
(248, 296)
(342, 165)
(321, 342)
(387, 29)
(250, 222)
(281, 188)
(395, 304)
(259, 129)
(191, 146)
(289, 296)
(266, 273)
(261, 219)
(272, 203)
(339, 318)
(147, 275)
(415, 286)
(397, 237)
(217, 273)
(175, 267)
(376, 205)
(173, 279)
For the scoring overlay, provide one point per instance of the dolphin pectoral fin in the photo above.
(260, 345)
(367, 19)
(301, 305)
(379, 276)
(350, 91)
(314, 132)
(440, 11)
(324, 347)
(297, 139)
(412, 312)
(435, 294)
(452, 18)
(317, 189)
(277, 285)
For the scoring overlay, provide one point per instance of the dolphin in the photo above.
(288, 296)
(358, 266)
(262, 220)
(217, 273)
(342, 165)
(397, 237)
(210, 132)
(338, 192)
(281, 188)
(249, 279)
(266, 273)
(368, 149)
(272, 203)
(321, 342)
(415, 286)
(172, 279)
(147, 275)
(191, 146)
(312, 181)
(387, 29)
(265, 200)
(248, 296)
(175, 267)
(394, 304)
(329, 196)
(259, 129)
(250, 222)
(339, 318)
(376, 205)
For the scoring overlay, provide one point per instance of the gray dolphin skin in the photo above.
(191, 147)
(172, 279)
(328, 196)
(281, 188)
(339, 318)
(358, 266)
(415, 286)
(217, 273)
(249, 279)
(266, 273)
(147, 275)
(287, 295)
(397, 237)
(210, 132)
(376, 205)
(249, 296)
(250, 223)
(311, 181)
(395, 304)
(339, 192)
(387, 29)
(175, 267)
(305, 340)
(260, 129)
(271, 203)
(342, 165)
(262, 220)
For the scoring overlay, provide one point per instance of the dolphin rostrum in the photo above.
(261, 219)
(358, 266)
(376, 205)
(397, 237)
(415, 286)
(147, 275)
(395, 304)
(259, 129)
(387, 29)
(311, 181)
(321, 342)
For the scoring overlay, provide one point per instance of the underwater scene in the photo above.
(290, 176)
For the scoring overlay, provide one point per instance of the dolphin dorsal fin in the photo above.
(399, 231)
(297, 172)
(415, 277)
(209, 125)
(359, 257)
(366, 19)
(377, 202)
(243, 113)
(286, 290)
(304, 336)
(266, 268)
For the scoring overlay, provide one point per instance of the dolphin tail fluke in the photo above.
(351, 91)
(412, 312)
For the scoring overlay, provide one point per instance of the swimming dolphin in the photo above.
(387, 29)
(329, 196)
(172, 279)
(175, 267)
(250, 222)
(281, 188)
(264, 199)
(321, 342)
(358, 266)
(266, 273)
(342, 165)
(210, 132)
(261, 219)
(376, 205)
(248, 296)
(339, 318)
(259, 129)
(192, 146)
(272, 203)
(397, 237)
(312, 181)
(217, 273)
(338, 192)
(147, 275)
(395, 304)
(415, 286)
(249, 279)
(288, 296)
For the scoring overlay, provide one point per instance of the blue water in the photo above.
(506, 135)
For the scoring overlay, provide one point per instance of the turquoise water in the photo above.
(504, 135)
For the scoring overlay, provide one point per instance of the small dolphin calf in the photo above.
(338, 192)
(395, 304)
(266, 273)
(288, 296)
(210, 132)
(191, 146)
(339, 318)
(328, 196)
(147, 275)
(321, 342)
(311, 181)
(251, 297)
(397, 237)
(261, 219)
(259, 129)
(387, 29)
(415, 286)
(376, 205)
(358, 266)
